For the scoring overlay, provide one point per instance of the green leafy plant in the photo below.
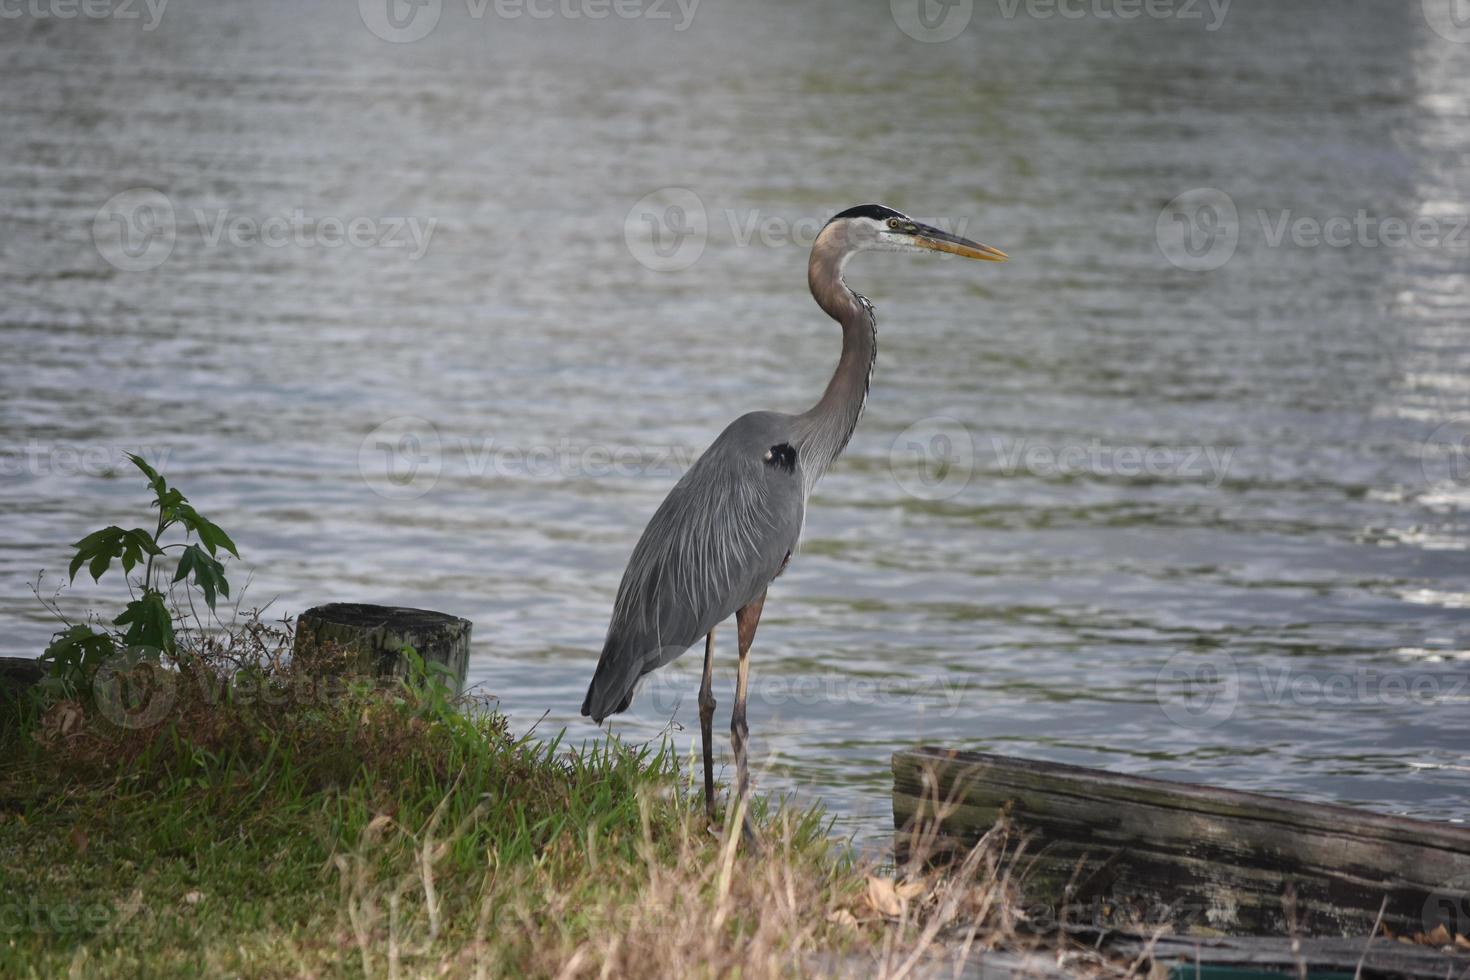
(145, 626)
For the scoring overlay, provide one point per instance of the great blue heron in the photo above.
(730, 524)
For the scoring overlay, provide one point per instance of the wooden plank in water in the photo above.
(1205, 859)
(1261, 956)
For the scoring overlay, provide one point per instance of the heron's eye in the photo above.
(894, 222)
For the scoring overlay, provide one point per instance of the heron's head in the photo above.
(875, 228)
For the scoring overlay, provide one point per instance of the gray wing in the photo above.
(719, 538)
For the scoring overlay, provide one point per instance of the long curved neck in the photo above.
(824, 429)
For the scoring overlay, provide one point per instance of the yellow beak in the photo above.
(942, 242)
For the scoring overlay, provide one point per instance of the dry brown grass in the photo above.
(704, 905)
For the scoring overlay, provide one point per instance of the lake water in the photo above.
(1187, 493)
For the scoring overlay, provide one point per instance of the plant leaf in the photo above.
(211, 535)
(98, 549)
(186, 561)
(76, 649)
(137, 542)
(142, 464)
(156, 481)
(148, 622)
(209, 574)
(222, 539)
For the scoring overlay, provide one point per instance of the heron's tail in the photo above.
(611, 690)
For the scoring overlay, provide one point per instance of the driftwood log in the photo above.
(1255, 956)
(19, 673)
(355, 638)
(1110, 847)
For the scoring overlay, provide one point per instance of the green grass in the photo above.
(365, 830)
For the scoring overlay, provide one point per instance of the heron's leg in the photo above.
(706, 719)
(746, 621)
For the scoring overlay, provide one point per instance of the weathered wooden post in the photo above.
(357, 638)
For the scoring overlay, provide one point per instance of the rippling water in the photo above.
(1200, 522)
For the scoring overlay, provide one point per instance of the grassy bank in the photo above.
(255, 822)
(178, 798)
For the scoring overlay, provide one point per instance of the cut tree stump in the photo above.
(360, 639)
(1203, 859)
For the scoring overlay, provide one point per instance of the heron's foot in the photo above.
(749, 837)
